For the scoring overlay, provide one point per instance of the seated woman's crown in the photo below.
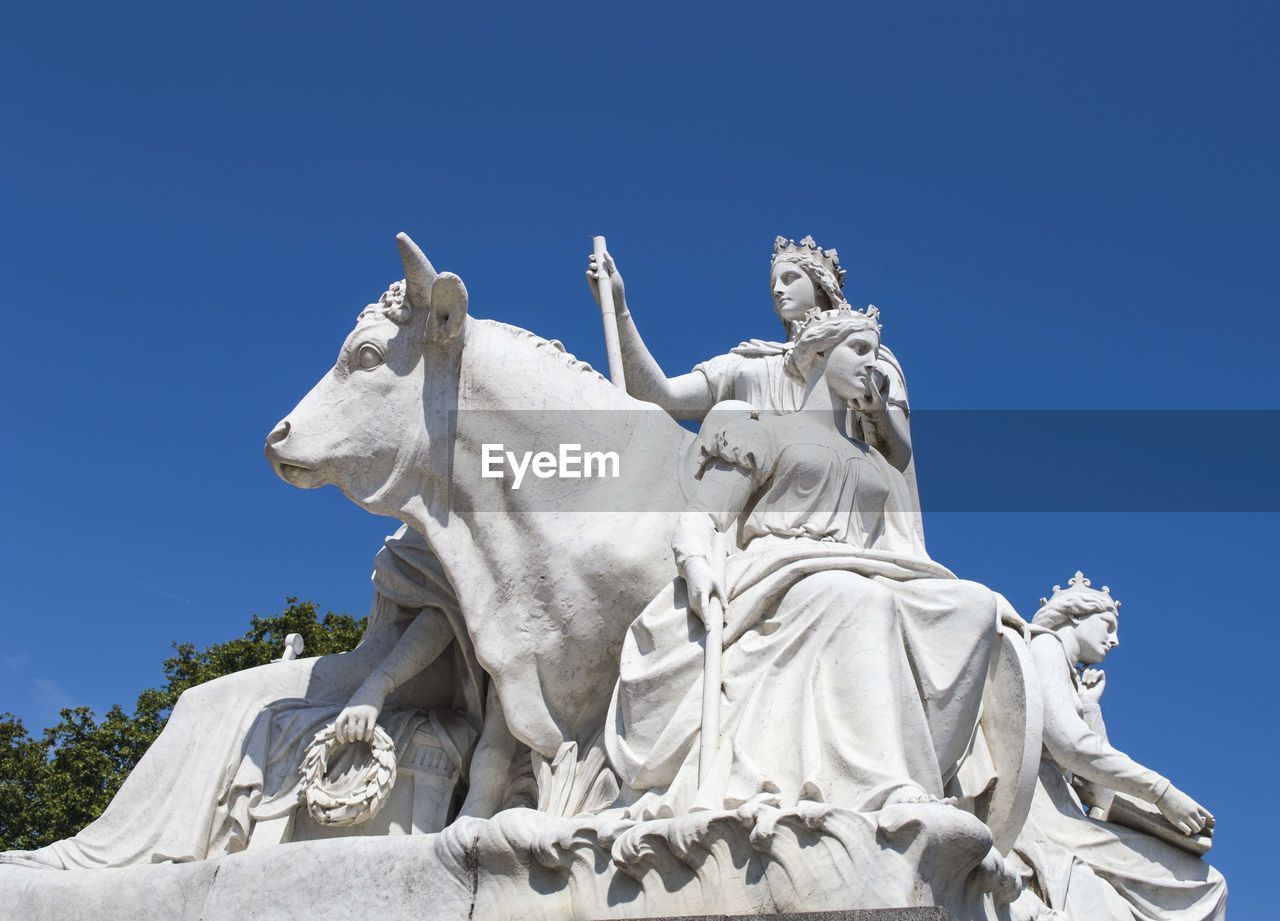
(829, 259)
(870, 316)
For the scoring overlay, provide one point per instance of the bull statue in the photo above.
(545, 594)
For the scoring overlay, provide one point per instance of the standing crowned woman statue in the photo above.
(853, 665)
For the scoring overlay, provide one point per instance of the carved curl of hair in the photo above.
(1072, 607)
(391, 304)
(821, 336)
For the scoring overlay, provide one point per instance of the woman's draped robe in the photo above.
(1091, 869)
(229, 755)
(853, 664)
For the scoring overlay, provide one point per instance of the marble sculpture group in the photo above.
(754, 692)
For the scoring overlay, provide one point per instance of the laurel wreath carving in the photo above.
(364, 790)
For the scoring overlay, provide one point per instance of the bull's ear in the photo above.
(448, 308)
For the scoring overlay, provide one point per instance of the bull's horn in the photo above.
(419, 274)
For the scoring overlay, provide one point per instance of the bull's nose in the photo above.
(278, 434)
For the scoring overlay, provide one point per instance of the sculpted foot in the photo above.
(999, 877)
(911, 794)
(1027, 907)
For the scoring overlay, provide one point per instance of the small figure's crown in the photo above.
(829, 259)
(841, 312)
(1078, 584)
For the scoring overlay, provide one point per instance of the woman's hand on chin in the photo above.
(873, 398)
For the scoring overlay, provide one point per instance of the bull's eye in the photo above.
(368, 357)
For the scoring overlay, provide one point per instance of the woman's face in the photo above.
(794, 293)
(1097, 635)
(850, 363)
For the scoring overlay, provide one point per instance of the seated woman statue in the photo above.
(853, 665)
(1081, 866)
(802, 277)
(224, 772)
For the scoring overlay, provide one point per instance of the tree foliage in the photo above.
(54, 785)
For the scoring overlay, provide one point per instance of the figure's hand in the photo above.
(1184, 813)
(356, 724)
(872, 405)
(702, 585)
(1092, 683)
(358, 720)
(615, 278)
(873, 399)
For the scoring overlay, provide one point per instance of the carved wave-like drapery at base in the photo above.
(527, 865)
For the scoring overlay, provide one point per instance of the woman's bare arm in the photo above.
(420, 645)
(888, 431)
(1075, 746)
(884, 422)
(1079, 749)
(687, 396)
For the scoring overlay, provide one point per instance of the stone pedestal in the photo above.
(853, 914)
(924, 863)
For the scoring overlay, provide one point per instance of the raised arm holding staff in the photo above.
(803, 278)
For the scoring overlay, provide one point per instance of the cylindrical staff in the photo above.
(709, 740)
(713, 619)
(611, 346)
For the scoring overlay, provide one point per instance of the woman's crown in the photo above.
(829, 259)
(1076, 585)
(841, 312)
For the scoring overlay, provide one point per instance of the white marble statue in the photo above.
(832, 600)
(876, 722)
(1083, 866)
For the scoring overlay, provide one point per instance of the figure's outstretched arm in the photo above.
(1076, 747)
(687, 396)
(1082, 751)
(420, 644)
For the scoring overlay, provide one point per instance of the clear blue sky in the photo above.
(1066, 207)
